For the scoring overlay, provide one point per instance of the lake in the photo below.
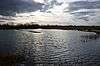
(49, 47)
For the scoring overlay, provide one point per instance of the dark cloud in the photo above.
(84, 5)
(2, 21)
(84, 9)
(10, 7)
(91, 13)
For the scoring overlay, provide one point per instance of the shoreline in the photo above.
(95, 29)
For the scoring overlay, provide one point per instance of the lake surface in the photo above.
(51, 47)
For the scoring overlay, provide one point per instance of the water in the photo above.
(50, 47)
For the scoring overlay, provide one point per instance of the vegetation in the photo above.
(36, 26)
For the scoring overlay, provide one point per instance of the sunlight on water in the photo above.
(51, 47)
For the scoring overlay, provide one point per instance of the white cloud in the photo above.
(39, 1)
(57, 14)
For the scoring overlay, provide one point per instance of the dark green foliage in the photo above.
(36, 26)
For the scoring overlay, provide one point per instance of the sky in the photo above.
(62, 12)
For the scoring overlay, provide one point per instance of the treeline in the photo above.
(19, 26)
(36, 26)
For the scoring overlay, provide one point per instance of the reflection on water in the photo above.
(51, 47)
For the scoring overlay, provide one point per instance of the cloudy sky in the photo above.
(62, 12)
